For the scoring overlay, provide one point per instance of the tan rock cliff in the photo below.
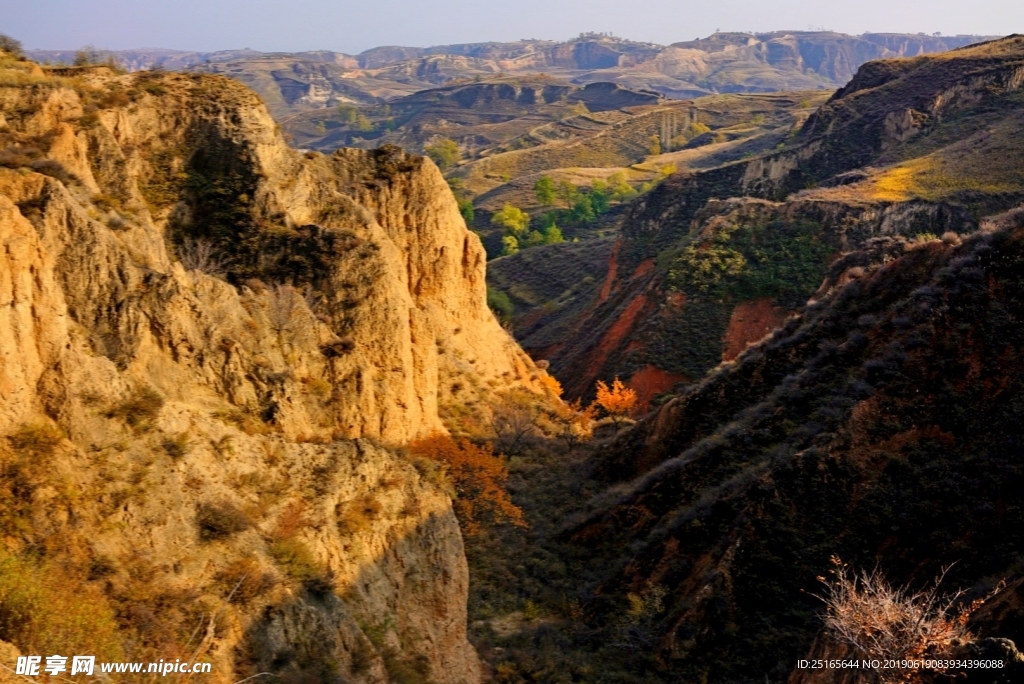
(203, 446)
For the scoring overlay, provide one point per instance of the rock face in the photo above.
(388, 298)
(207, 440)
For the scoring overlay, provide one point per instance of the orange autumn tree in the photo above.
(618, 401)
(479, 478)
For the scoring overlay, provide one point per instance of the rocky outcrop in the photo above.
(381, 268)
(208, 340)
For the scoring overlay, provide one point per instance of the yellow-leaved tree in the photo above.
(617, 401)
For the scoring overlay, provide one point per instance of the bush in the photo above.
(291, 521)
(177, 446)
(90, 56)
(444, 152)
(479, 478)
(220, 520)
(500, 304)
(295, 559)
(357, 516)
(513, 219)
(414, 670)
(38, 439)
(53, 169)
(11, 45)
(883, 622)
(243, 580)
(509, 245)
(696, 128)
(545, 191)
(467, 210)
(139, 409)
(201, 254)
(618, 401)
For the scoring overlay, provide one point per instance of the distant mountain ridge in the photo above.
(720, 63)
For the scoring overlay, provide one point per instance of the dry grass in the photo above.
(36, 439)
(140, 409)
(243, 580)
(176, 446)
(219, 520)
(17, 74)
(357, 516)
(296, 560)
(44, 609)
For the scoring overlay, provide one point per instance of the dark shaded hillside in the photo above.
(882, 426)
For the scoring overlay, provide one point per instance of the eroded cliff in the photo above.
(209, 340)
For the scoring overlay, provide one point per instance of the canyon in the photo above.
(224, 360)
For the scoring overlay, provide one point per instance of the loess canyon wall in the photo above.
(209, 342)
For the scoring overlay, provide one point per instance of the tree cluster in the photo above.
(516, 224)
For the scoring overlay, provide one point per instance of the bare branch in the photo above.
(880, 621)
(200, 254)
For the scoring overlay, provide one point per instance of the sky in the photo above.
(353, 26)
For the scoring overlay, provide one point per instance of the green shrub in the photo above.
(783, 261)
(444, 152)
(500, 304)
(466, 209)
(514, 220)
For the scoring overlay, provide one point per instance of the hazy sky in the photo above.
(352, 26)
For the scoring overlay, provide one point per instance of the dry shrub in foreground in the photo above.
(883, 622)
(479, 478)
